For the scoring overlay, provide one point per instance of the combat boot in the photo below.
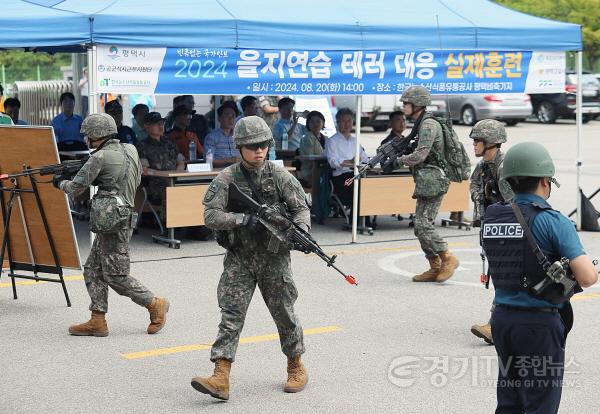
(158, 309)
(430, 275)
(449, 265)
(484, 332)
(217, 385)
(297, 375)
(96, 326)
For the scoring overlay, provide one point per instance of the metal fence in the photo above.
(40, 99)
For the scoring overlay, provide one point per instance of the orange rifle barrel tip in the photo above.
(351, 279)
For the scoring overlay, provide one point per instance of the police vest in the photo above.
(512, 263)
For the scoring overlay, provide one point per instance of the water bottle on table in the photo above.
(284, 140)
(209, 157)
(192, 150)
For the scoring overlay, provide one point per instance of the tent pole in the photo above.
(356, 163)
(579, 121)
(92, 102)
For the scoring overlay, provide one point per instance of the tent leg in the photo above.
(92, 102)
(579, 121)
(356, 162)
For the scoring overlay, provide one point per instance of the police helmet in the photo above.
(527, 159)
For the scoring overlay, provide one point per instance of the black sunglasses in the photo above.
(261, 145)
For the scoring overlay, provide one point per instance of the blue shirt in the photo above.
(556, 235)
(221, 144)
(67, 128)
(284, 125)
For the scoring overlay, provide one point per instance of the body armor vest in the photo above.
(513, 265)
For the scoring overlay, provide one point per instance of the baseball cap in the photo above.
(153, 118)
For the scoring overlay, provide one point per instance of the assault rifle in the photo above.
(284, 229)
(386, 155)
(65, 168)
(558, 272)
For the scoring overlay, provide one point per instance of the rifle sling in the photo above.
(539, 254)
(256, 195)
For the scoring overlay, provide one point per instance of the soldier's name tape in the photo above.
(502, 231)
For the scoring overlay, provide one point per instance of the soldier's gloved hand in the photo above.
(251, 222)
(56, 180)
(476, 223)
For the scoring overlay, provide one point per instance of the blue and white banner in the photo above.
(124, 69)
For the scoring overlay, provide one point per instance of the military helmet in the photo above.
(489, 131)
(251, 130)
(527, 159)
(98, 126)
(417, 95)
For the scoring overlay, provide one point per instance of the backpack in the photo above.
(456, 162)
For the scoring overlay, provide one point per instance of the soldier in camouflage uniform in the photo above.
(248, 262)
(486, 186)
(108, 262)
(431, 184)
(158, 153)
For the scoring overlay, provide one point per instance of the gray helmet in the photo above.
(417, 95)
(527, 159)
(489, 131)
(98, 126)
(251, 130)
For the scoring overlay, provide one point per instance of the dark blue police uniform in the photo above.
(529, 333)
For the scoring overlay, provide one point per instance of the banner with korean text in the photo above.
(124, 69)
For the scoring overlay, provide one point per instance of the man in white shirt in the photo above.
(340, 150)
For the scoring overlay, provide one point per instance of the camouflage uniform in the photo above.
(431, 184)
(159, 155)
(247, 262)
(486, 187)
(270, 119)
(108, 262)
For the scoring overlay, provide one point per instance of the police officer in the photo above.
(486, 187)
(108, 262)
(530, 329)
(431, 184)
(248, 262)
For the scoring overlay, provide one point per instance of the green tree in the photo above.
(21, 66)
(583, 12)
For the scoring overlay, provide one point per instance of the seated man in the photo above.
(157, 153)
(12, 106)
(249, 106)
(124, 133)
(198, 123)
(67, 124)
(340, 150)
(219, 142)
(181, 134)
(139, 112)
(288, 124)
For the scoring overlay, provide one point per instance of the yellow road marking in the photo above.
(415, 247)
(585, 296)
(33, 282)
(200, 347)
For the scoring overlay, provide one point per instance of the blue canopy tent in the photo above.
(334, 25)
(71, 25)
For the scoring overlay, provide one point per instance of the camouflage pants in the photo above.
(427, 209)
(108, 265)
(272, 274)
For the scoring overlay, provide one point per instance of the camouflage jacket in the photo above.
(104, 168)
(430, 179)
(276, 185)
(158, 155)
(486, 187)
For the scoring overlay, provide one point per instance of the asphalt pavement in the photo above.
(386, 345)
